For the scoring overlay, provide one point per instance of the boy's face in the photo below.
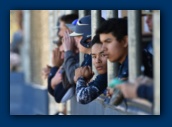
(99, 59)
(114, 49)
(63, 28)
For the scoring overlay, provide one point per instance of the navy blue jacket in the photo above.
(51, 75)
(86, 93)
(59, 92)
(123, 70)
(147, 62)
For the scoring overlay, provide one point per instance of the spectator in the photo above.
(87, 92)
(142, 87)
(55, 86)
(114, 37)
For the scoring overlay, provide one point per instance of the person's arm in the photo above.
(142, 87)
(70, 60)
(86, 93)
(56, 63)
(57, 79)
(59, 92)
(70, 64)
(145, 91)
(51, 75)
(62, 95)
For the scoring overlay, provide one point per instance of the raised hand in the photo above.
(68, 42)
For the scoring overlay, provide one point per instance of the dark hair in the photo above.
(116, 26)
(69, 18)
(95, 40)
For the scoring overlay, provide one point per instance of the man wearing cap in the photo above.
(71, 61)
(57, 74)
(82, 35)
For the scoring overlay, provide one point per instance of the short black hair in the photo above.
(69, 18)
(95, 40)
(116, 26)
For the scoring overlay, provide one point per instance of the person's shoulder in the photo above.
(101, 77)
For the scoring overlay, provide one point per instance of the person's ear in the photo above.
(125, 41)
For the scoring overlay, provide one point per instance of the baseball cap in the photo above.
(72, 25)
(83, 28)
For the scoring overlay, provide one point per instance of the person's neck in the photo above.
(123, 59)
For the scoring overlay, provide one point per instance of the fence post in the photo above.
(112, 67)
(156, 45)
(82, 13)
(112, 13)
(71, 11)
(95, 23)
(26, 50)
(134, 43)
